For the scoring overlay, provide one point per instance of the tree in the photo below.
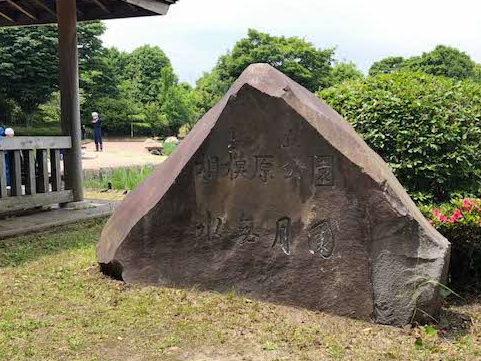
(176, 102)
(29, 64)
(98, 75)
(144, 67)
(442, 61)
(295, 57)
(387, 65)
(209, 89)
(445, 61)
(342, 72)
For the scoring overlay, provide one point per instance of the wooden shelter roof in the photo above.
(32, 12)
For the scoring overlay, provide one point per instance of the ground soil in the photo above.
(117, 154)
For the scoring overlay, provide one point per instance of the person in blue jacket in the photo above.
(6, 132)
(97, 125)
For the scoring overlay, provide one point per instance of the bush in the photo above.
(460, 222)
(426, 127)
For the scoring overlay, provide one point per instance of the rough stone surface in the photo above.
(274, 195)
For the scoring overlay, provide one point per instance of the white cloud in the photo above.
(195, 32)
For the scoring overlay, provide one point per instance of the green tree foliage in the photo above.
(144, 67)
(209, 89)
(148, 99)
(29, 64)
(477, 73)
(295, 57)
(98, 74)
(445, 61)
(426, 127)
(342, 72)
(442, 61)
(386, 66)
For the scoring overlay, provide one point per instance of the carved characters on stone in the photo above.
(294, 169)
(264, 167)
(321, 239)
(283, 234)
(245, 232)
(210, 228)
(322, 174)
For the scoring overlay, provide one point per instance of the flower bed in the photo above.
(460, 222)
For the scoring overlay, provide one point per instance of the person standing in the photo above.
(97, 127)
(7, 133)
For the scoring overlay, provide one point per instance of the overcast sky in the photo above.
(195, 32)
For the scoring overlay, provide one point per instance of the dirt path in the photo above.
(118, 154)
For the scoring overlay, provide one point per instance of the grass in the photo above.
(120, 179)
(55, 305)
(38, 130)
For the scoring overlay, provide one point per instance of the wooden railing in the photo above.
(34, 172)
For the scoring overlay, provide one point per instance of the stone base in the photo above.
(85, 204)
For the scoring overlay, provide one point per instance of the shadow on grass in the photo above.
(455, 323)
(21, 249)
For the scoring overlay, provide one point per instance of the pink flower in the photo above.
(442, 218)
(435, 212)
(457, 214)
(466, 204)
(431, 222)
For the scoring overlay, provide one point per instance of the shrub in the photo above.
(426, 128)
(460, 222)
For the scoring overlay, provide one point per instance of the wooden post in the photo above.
(43, 185)
(29, 162)
(69, 94)
(3, 176)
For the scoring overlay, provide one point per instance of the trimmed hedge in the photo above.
(426, 127)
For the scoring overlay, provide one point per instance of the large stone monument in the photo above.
(274, 195)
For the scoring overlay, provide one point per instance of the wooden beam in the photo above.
(24, 143)
(3, 175)
(43, 6)
(132, 7)
(151, 5)
(41, 181)
(15, 172)
(35, 200)
(55, 170)
(21, 9)
(29, 166)
(69, 94)
(102, 6)
(3, 15)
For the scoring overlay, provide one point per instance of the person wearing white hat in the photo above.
(9, 133)
(97, 125)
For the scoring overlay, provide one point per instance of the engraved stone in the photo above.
(283, 234)
(321, 239)
(274, 195)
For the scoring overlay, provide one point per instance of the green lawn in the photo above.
(55, 305)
